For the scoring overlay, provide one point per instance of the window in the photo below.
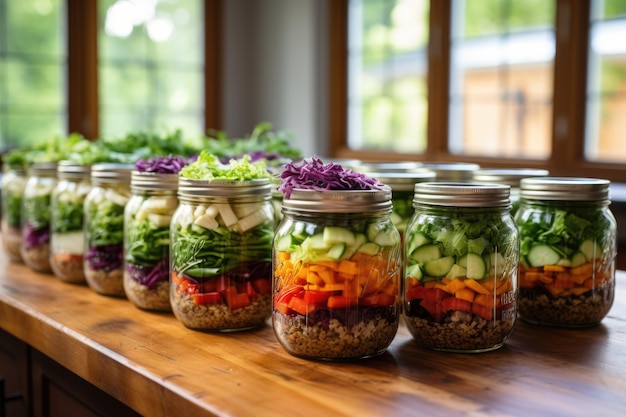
(606, 86)
(151, 66)
(107, 67)
(33, 60)
(501, 77)
(387, 63)
(505, 83)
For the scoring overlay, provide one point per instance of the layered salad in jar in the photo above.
(567, 265)
(336, 291)
(36, 217)
(460, 287)
(147, 231)
(104, 238)
(67, 239)
(222, 246)
(13, 183)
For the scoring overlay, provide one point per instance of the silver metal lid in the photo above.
(153, 181)
(508, 176)
(565, 189)
(403, 181)
(19, 169)
(338, 201)
(191, 188)
(43, 169)
(111, 173)
(452, 171)
(462, 194)
(73, 170)
(402, 166)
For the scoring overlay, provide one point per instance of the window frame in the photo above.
(569, 101)
(82, 74)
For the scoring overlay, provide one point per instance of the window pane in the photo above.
(33, 103)
(606, 89)
(387, 102)
(151, 63)
(501, 75)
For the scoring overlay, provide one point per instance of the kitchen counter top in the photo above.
(152, 363)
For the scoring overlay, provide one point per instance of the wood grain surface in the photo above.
(152, 363)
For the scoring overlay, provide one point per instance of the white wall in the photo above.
(275, 69)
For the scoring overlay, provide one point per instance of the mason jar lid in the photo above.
(19, 169)
(565, 189)
(43, 169)
(508, 176)
(191, 188)
(153, 181)
(463, 194)
(73, 170)
(452, 171)
(402, 166)
(111, 173)
(338, 201)
(403, 181)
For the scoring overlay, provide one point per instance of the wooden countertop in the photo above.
(159, 368)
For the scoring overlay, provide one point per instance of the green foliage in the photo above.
(272, 144)
(493, 17)
(562, 230)
(208, 167)
(613, 8)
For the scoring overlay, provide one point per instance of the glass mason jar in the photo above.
(13, 183)
(104, 227)
(337, 274)
(221, 254)
(277, 204)
(67, 242)
(462, 254)
(511, 177)
(568, 249)
(402, 186)
(452, 171)
(35, 250)
(147, 218)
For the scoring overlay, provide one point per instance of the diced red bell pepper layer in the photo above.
(220, 291)
(438, 302)
(296, 299)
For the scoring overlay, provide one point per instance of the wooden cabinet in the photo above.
(14, 360)
(37, 386)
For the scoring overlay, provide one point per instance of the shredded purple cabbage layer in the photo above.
(149, 276)
(161, 164)
(35, 237)
(105, 257)
(312, 174)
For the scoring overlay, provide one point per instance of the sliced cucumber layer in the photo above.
(541, 255)
(335, 242)
(429, 262)
(439, 267)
